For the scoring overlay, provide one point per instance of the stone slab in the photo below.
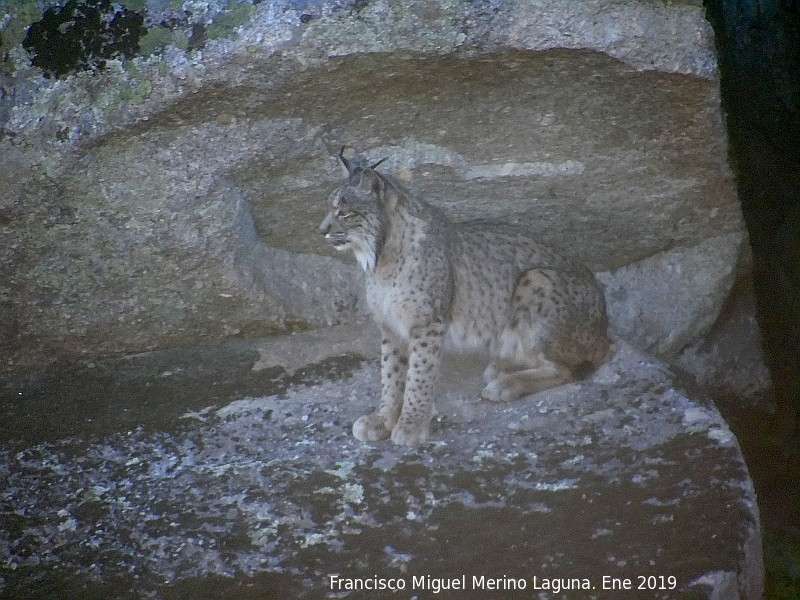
(630, 475)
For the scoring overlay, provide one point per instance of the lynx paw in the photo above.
(410, 434)
(496, 392)
(490, 374)
(371, 428)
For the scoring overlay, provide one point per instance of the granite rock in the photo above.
(173, 198)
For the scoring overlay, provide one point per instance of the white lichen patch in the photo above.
(601, 532)
(663, 518)
(200, 415)
(353, 493)
(482, 454)
(68, 523)
(543, 169)
(312, 539)
(262, 536)
(557, 486)
(413, 154)
(249, 406)
(723, 435)
(698, 419)
(342, 470)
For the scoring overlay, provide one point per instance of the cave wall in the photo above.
(172, 197)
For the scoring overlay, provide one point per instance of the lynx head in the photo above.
(357, 218)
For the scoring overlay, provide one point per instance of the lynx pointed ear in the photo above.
(386, 193)
(346, 164)
(378, 186)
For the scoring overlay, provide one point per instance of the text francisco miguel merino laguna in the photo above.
(475, 582)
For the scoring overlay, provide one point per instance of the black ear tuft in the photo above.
(375, 166)
(358, 164)
(346, 164)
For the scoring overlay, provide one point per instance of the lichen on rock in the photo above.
(83, 35)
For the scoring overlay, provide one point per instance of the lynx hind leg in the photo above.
(394, 366)
(554, 319)
(506, 387)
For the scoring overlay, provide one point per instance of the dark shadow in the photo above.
(759, 54)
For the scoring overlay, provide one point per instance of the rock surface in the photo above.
(173, 198)
(726, 362)
(660, 303)
(203, 491)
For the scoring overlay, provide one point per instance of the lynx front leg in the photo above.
(394, 366)
(425, 348)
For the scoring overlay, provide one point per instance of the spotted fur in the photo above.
(433, 284)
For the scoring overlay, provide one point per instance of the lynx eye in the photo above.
(342, 214)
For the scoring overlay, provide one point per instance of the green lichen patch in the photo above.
(156, 39)
(13, 27)
(226, 22)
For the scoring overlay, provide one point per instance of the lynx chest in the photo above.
(400, 304)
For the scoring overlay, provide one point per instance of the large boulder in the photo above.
(174, 198)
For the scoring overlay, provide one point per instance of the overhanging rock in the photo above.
(174, 198)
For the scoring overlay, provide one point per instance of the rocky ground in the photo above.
(217, 473)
